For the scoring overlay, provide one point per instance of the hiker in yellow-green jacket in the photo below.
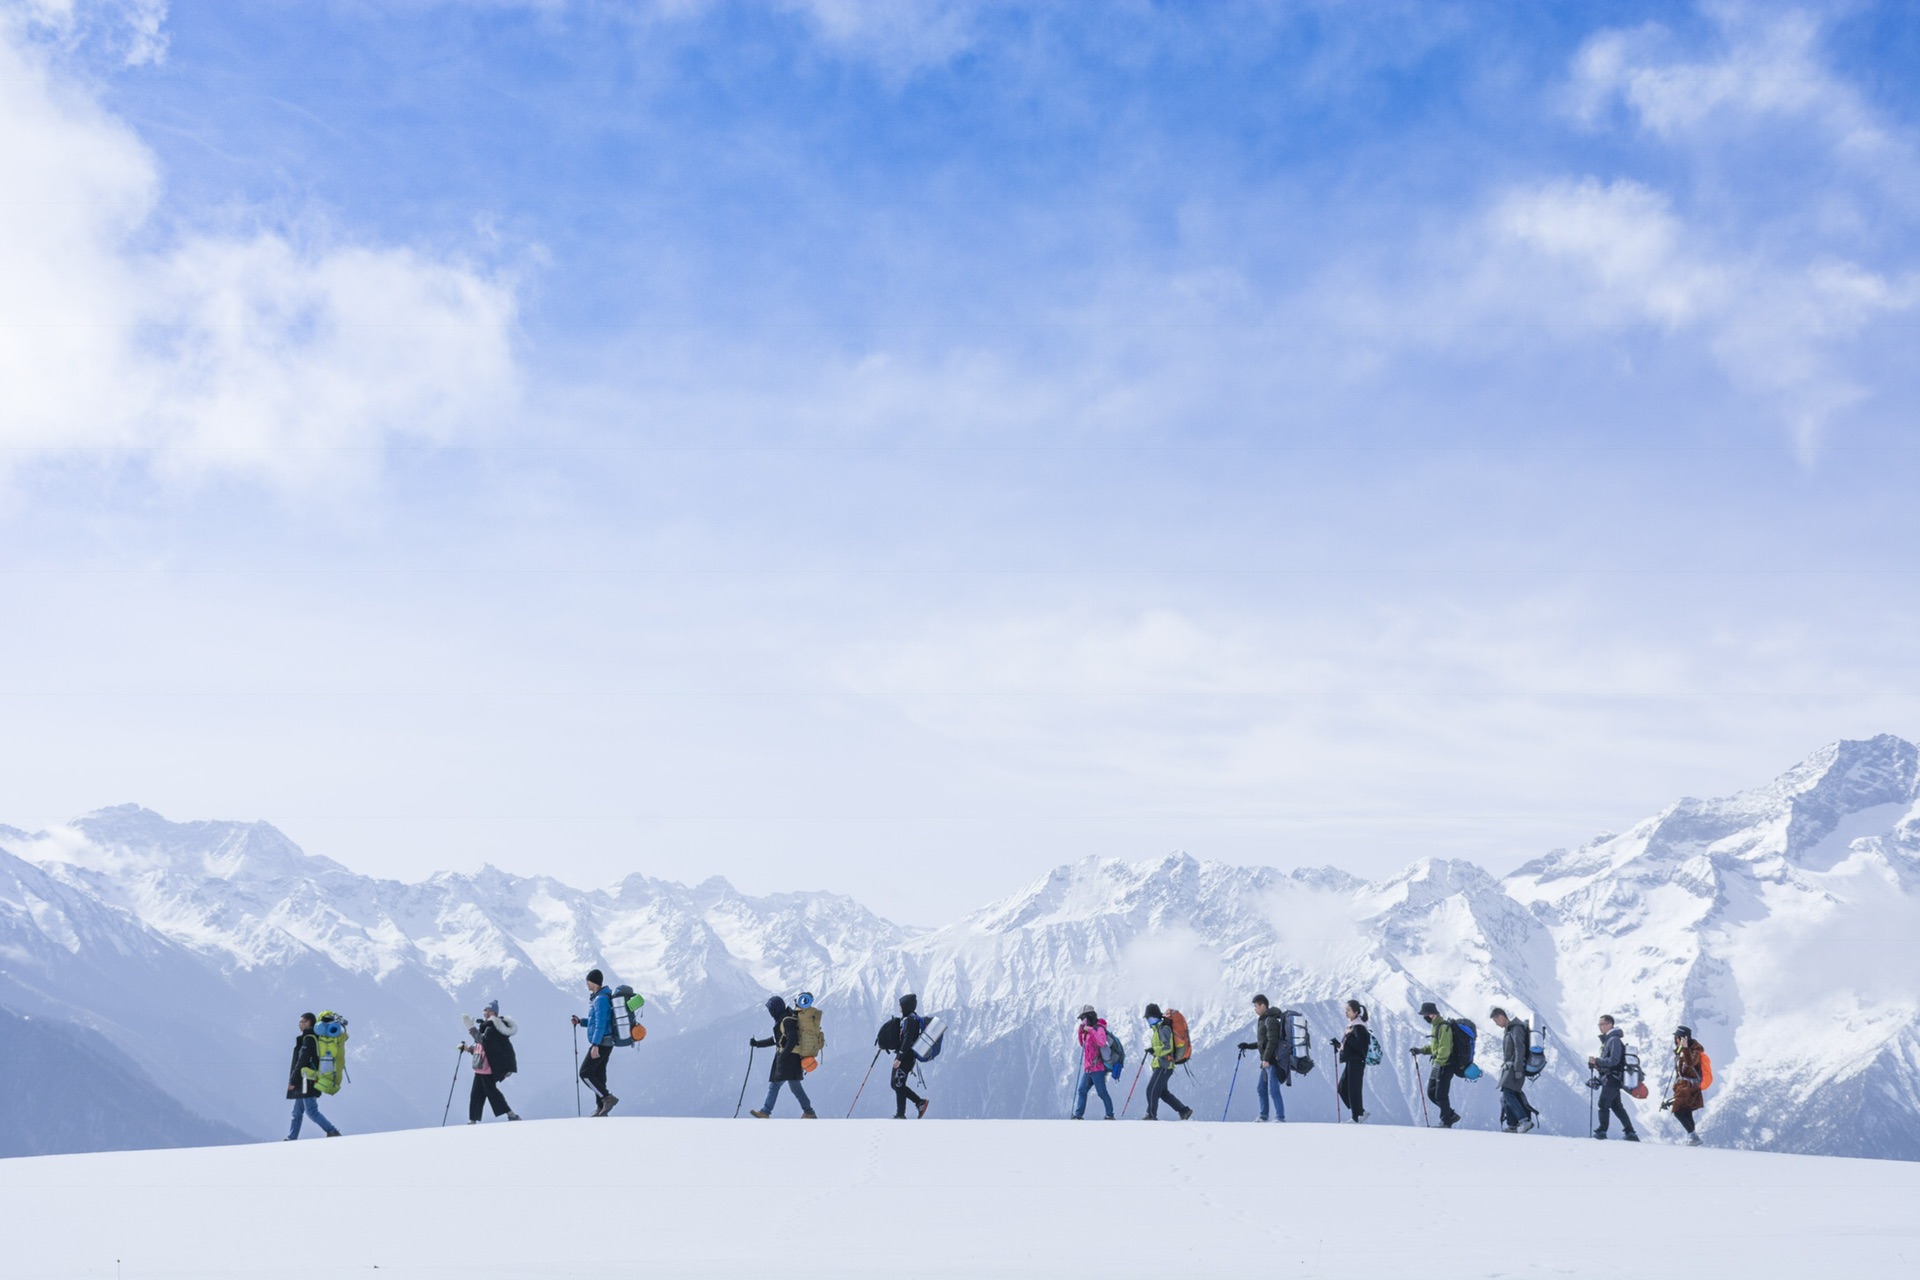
(1160, 1058)
(1439, 1047)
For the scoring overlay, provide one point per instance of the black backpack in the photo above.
(500, 1055)
(1464, 1037)
(888, 1041)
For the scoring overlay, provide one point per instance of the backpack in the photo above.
(1113, 1054)
(888, 1041)
(501, 1058)
(1632, 1078)
(1465, 1036)
(1299, 1042)
(330, 1042)
(626, 1016)
(811, 1039)
(1706, 1071)
(1182, 1038)
(933, 1036)
(1375, 1054)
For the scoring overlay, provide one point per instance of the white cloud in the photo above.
(254, 353)
(900, 36)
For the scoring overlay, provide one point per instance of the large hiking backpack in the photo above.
(1299, 1041)
(1632, 1079)
(501, 1059)
(626, 1016)
(1465, 1038)
(1706, 1071)
(810, 1039)
(888, 1039)
(932, 1038)
(1536, 1052)
(1113, 1054)
(1182, 1038)
(330, 1042)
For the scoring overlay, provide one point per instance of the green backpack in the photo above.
(330, 1040)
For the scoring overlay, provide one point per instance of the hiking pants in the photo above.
(1351, 1076)
(773, 1091)
(1439, 1089)
(486, 1088)
(1096, 1081)
(308, 1107)
(902, 1095)
(593, 1070)
(1685, 1116)
(1270, 1084)
(1157, 1093)
(1514, 1110)
(1610, 1105)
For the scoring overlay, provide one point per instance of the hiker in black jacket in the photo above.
(911, 1024)
(1276, 1056)
(1516, 1113)
(1609, 1076)
(300, 1085)
(1353, 1047)
(493, 1061)
(787, 1070)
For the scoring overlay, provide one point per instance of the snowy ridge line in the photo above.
(1782, 924)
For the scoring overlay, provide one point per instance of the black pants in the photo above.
(1351, 1076)
(486, 1089)
(902, 1095)
(1158, 1093)
(593, 1069)
(1685, 1116)
(1439, 1089)
(1610, 1106)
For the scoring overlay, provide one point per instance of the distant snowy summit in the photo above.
(1782, 924)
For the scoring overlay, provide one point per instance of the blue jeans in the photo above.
(773, 1091)
(1270, 1083)
(1514, 1110)
(308, 1107)
(1096, 1081)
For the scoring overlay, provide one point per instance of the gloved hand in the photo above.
(1666, 1104)
(1114, 1072)
(1248, 1047)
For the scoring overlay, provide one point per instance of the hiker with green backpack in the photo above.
(1168, 1045)
(312, 1072)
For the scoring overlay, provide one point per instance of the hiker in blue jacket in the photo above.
(599, 1025)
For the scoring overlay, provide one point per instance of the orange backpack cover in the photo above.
(1182, 1041)
(1706, 1071)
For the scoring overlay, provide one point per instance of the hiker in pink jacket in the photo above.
(1093, 1066)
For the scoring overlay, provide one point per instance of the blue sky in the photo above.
(895, 448)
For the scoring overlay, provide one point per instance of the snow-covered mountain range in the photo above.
(1782, 924)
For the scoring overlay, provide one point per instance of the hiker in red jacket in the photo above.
(1093, 1067)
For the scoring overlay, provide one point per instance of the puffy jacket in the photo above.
(492, 1041)
(1091, 1039)
(600, 1018)
(1513, 1054)
(786, 1035)
(1270, 1039)
(1160, 1044)
(306, 1057)
(1355, 1043)
(1612, 1065)
(1440, 1042)
(1686, 1078)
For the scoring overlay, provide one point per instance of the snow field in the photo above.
(1055, 1199)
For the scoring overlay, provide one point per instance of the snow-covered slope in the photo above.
(713, 1198)
(1781, 923)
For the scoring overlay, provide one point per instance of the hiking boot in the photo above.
(333, 1133)
(1693, 1139)
(1107, 1116)
(1447, 1122)
(513, 1115)
(761, 1115)
(923, 1109)
(611, 1103)
(1629, 1136)
(1526, 1126)
(600, 1106)
(1509, 1128)
(808, 1115)
(1600, 1134)
(473, 1122)
(1358, 1117)
(1187, 1114)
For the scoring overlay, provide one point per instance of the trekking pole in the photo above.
(856, 1093)
(576, 1071)
(1231, 1082)
(1426, 1119)
(1137, 1067)
(743, 1084)
(1336, 1093)
(448, 1109)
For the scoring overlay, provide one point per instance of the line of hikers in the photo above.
(1282, 1049)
